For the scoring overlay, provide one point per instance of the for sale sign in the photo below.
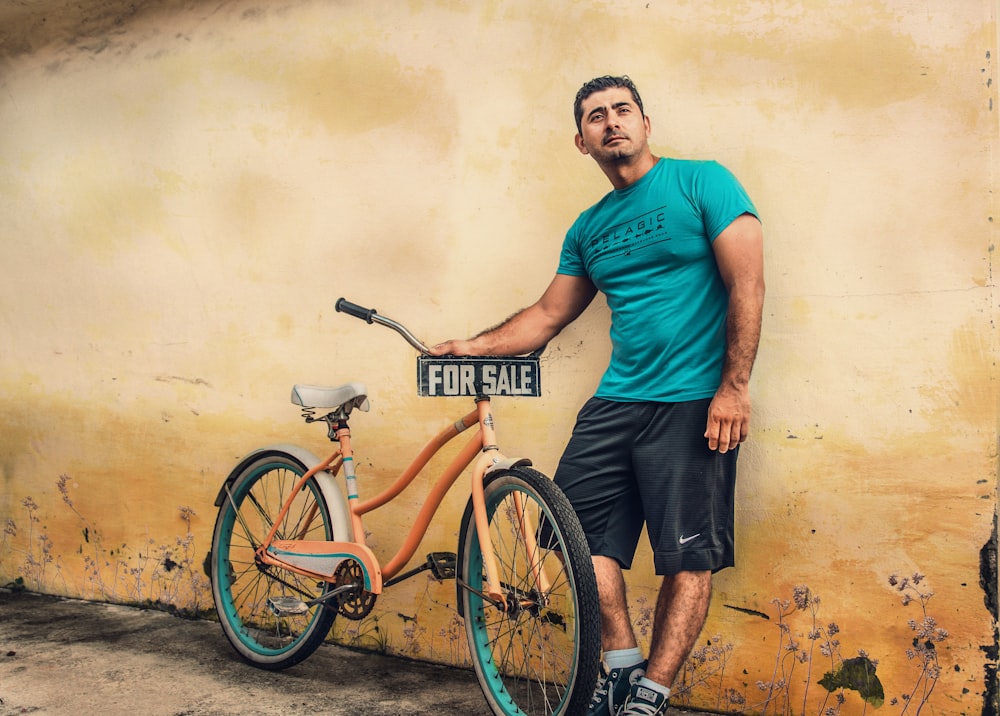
(460, 376)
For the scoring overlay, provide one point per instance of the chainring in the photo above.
(357, 603)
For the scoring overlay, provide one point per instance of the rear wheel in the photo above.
(246, 592)
(538, 653)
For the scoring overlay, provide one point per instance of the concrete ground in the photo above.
(60, 656)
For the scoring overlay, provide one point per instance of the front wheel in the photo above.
(536, 652)
(245, 590)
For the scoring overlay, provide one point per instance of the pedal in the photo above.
(287, 606)
(442, 564)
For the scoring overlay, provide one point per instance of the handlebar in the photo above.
(370, 315)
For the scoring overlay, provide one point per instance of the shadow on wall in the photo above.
(988, 579)
(56, 24)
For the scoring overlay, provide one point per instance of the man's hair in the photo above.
(602, 83)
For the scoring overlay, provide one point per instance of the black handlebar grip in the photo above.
(353, 309)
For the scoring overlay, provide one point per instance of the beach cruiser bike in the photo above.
(289, 552)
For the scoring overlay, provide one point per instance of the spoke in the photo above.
(247, 532)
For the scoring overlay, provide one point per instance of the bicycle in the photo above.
(289, 552)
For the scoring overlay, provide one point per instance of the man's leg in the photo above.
(616, 626)
(622, 657)
(681, 609)
(688, 495)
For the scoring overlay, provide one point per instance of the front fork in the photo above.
(491, 459)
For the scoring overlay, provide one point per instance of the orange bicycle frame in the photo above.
(484, 443)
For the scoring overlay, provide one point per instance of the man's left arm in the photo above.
(739, 253)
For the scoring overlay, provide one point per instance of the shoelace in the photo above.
(638, 708)
(601, 692)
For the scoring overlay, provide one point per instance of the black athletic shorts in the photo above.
(629, 463)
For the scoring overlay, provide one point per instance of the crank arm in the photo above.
(332, 593)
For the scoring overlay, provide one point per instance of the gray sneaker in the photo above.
(644, 702)
(613, 688)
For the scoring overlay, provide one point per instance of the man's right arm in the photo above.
(530, 328)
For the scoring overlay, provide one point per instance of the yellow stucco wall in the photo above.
(186, 188)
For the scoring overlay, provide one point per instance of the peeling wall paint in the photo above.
(186, 187)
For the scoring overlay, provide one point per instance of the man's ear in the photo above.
(580, 145)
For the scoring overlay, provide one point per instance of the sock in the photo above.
(622, 658)
(653, 686)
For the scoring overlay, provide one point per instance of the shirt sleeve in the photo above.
(570, 260)
(722, 198)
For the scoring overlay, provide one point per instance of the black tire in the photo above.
(241, 587)
(541, 654)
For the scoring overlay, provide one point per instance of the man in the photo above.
(677, 249)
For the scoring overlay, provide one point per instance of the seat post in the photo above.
(335, 423)
(343, 435)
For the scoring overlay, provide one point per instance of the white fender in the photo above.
(332, 494)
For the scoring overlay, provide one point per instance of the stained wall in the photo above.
(186, 188)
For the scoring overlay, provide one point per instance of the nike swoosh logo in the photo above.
(685, 540)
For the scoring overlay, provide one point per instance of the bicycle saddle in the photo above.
(351, 395)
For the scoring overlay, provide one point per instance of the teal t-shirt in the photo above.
(648, 248)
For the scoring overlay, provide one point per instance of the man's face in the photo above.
(612, 128)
